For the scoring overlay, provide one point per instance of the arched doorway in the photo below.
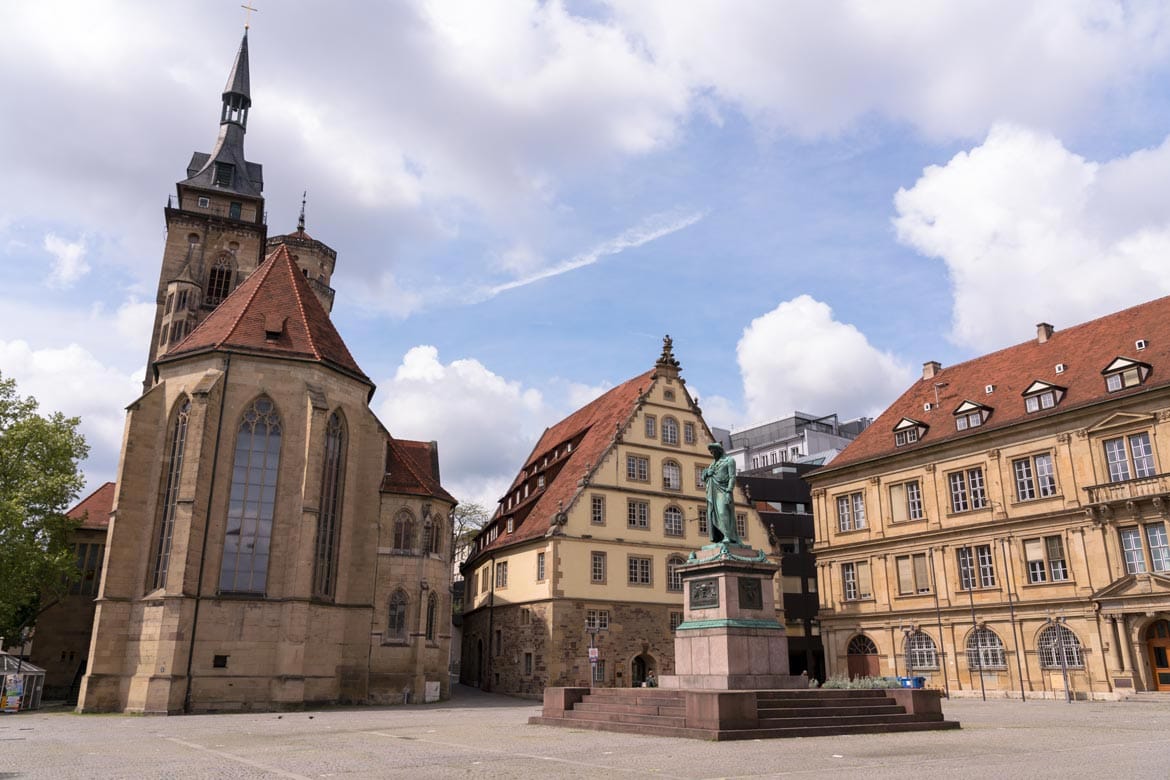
(642, 666)
(862, 657)
(1158, 649)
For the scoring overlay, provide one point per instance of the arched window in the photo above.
(1056, 641)
(436, 535)
(669, 430)
(403, 531)
(432, 608)
(985, 650)
(428, 536)
(329, 518)
(219, 280)
(921, 652)
(671, 475)
(861, 645)
(672, 521)
(172, 469)
(396, 623)
(674, 565)
(253, 499)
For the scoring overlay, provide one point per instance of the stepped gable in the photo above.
(274, 312)
(412, 469)
(1084, 350)
(591, 430)
(94, 510)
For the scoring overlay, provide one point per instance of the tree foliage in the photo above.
(39, 479)
(466, 521)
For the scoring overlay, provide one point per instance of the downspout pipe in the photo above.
(227, 367)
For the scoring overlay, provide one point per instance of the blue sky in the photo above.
(812, 198)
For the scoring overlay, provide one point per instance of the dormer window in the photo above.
(1123, 373)
(908, 431)
(1042, 395)
(223, 174)
(970, 415)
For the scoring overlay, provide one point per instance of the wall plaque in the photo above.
(704, 593)
(750, 595)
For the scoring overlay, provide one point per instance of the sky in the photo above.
(811, 198)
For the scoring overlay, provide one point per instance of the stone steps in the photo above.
(777, 714)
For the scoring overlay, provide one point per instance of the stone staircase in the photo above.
(743, 714)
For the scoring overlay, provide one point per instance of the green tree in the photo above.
(39, 479)
(466, 521)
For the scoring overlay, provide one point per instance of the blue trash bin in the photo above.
(906, 682)
(917, 682)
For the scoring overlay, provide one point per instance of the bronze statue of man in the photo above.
(719, 479)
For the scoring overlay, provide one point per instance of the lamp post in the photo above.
(1058, 628)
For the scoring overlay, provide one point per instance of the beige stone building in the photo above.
(1003, 525)
(585, 544)
(270, 543)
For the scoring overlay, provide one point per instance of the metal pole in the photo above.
(975, 624)
(938, 617)
(1060, 629)
(1008, 582)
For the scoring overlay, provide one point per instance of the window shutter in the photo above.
(864, 583)
(905, 575)
(898, 512)
(1033, 550)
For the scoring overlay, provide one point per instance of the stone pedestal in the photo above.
(730, 639)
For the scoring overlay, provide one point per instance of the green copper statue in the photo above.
(719, 478)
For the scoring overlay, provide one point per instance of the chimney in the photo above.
(1043, 332)
(930, 368)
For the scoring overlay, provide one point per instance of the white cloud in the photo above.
(798, 358)
(485, 424)
(1032, 232)
(949, 69)
(68, 260)
(71, 380)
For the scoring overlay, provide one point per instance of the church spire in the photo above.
(301, 218)
(237, 93)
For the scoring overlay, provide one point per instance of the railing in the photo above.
(322, 289)
(1129, 489)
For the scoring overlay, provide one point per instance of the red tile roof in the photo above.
(273, 312)
(412, 468)
(1084, 350)
(591, 430)
(94, 510)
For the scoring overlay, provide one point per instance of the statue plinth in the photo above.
(729, 639)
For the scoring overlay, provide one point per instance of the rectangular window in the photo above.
(741, 525)
(651, 426)
(540, 576)
(1045, 559)
(597, 510)
(170, 303)
(597, 619)
(676, 619)
(699, 477)
(89, 565)
(639, 570)
(906, 502)
(204, 202)
(703, 527)
(976, 567)
(597, 567)
(688, 433)
(967, 490)
(235, 209)
(1131, 546)
(637, 468)
(638, 514)
(1130, 377)
(856, 580)
(223, 174)
(525, 616)
(528, 664)
(851, 512)
(1035, 477)
(671, 475)
(913, 574)
(599, 671)
(1129, 457)
(1155, 537)
(908, 436)
(502, 574)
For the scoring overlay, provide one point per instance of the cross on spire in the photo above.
(248, 14)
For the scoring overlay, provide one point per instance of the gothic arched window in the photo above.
(436, 536)
(219, 280)
(172, 469)
(404, 531)
(396, 623)
(329, 519)
(253, 500)
(432, 608)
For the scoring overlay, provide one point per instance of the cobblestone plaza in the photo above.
(483, 735)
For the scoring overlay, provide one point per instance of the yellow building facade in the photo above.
(585, 544)
(1002, 528)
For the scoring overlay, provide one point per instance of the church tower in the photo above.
(216, 231)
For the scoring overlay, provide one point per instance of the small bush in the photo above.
(862, 683)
